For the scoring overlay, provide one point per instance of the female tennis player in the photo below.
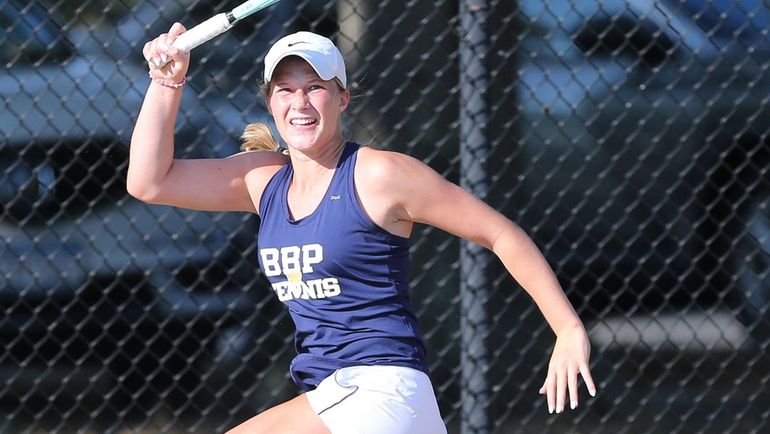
(334, 242)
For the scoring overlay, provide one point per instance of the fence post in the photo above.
(474, 259)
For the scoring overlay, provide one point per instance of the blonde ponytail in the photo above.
(258, 137)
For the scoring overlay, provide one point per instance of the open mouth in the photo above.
(303, 122)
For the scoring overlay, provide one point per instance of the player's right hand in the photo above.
(166, 62)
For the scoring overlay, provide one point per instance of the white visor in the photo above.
(318, 51)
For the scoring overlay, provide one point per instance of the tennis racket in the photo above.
(214, 26)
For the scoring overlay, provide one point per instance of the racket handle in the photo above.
(199, 34)
(203, 32)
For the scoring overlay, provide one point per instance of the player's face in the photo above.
(305, 108)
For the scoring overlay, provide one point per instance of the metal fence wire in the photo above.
(629, 138)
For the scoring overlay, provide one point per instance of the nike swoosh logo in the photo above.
(295, 43)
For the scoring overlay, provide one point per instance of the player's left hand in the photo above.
(569, 359)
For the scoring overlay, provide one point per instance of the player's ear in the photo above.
(344, 100)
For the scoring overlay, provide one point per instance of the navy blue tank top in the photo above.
(343, 278)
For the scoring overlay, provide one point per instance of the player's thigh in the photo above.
(291, 417)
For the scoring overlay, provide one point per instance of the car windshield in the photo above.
(28, 36)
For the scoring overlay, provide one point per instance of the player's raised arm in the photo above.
(155, 176)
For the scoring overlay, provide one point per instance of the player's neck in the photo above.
(310, 166)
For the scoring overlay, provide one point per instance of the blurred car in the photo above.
(95, 285)
(646, 123)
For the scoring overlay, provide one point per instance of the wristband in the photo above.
(169, 84)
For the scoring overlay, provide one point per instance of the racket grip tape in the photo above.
(203, 32)
(198, 35)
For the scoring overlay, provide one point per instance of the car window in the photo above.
(27, 35)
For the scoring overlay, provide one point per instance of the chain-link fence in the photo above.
(629, 138)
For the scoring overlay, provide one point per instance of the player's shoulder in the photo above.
(385, 163)
(260, 166)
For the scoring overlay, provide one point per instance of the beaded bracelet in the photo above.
(169, 84)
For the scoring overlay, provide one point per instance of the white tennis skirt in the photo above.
(377, 400)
